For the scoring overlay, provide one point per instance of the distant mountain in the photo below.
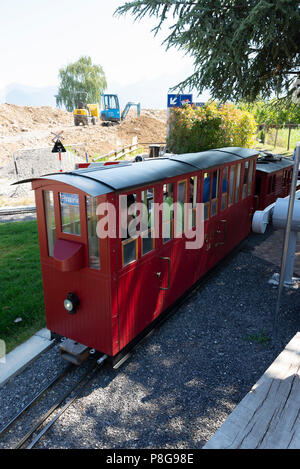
(151, 93)
(23, 95)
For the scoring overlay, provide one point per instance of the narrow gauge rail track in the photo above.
(8, 211)
(37, 431)
(35, 399)
(77, 388)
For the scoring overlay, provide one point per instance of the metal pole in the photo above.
(16, 167)
(287, 236)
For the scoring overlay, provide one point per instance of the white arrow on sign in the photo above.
(173, 101)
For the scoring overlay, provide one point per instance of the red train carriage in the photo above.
(103, 292)
(273, 179)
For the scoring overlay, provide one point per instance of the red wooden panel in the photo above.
(91, 325)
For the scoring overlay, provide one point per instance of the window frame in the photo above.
(232, 185)
(150, 229)
(47, 227)
(61, 216)
(195, 195)
(83, 237)
(185, 181)
(216, 199)
(97, 269)
(225, 168)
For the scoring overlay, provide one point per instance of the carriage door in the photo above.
(138, 277)
(175, 272)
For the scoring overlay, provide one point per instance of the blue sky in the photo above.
(37, 37)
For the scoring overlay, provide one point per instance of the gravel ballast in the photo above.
(185, 379)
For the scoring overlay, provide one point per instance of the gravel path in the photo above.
(187, 377)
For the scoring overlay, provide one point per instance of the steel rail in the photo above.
(36, 398)
(85, 379)
(92, 370)
(64, 408)
(16, 211)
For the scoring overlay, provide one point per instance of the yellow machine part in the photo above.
(94, 109)
(81, 112)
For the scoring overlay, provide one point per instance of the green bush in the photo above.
(211, 126)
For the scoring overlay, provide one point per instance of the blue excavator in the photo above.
(111, 113)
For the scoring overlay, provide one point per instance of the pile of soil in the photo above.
(29, 127)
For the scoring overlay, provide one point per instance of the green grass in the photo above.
(282, 138)
(99, 159)
(21, 290)
(276, 150)
(260, 338)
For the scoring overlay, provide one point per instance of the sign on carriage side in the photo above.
(178, 100)
(69, 199)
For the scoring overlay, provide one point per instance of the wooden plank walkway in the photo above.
(269, 415)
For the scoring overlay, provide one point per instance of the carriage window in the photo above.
(193, 201)
(94, 254)
(246, 171)
(224, 189)
(70, 215)
(181, 199)
(50, 221)
(250, 178)
(168, 212)
(206, 195)
(237, 186)
(214, 194)
(148, 223)
(129, 251)
(231, 188)
(130, 241)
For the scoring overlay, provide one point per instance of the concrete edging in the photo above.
(21, 356)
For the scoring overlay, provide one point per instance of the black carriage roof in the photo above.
(274, 165)
(96, 180)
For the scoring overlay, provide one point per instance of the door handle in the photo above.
(169, 279)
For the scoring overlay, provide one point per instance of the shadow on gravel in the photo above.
(184, 380)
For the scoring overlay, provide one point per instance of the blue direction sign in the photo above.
(178, 100)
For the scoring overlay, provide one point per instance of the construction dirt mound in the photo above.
(29, 127)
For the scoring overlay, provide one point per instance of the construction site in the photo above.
(24, 130)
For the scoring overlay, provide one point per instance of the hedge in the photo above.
(211, 126)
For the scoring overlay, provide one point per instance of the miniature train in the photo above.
(103, 292)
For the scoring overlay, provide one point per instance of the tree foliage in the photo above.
(80, 76)
(273, 111)
(211, 126)
(241, 49)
